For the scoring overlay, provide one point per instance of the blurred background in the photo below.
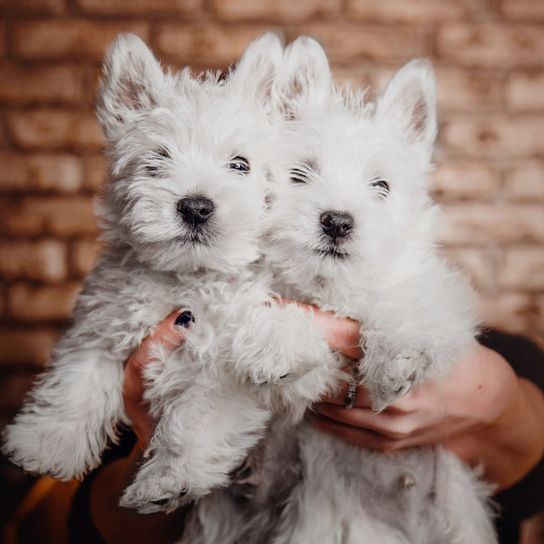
(489, 58)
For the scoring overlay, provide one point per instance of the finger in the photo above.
(362, 397)
(353, 435)
(341, 333)
(387, 424)
(170, 334)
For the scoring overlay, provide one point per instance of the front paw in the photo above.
(392, 375)
(157, 487)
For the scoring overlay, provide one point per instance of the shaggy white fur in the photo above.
(182, 219)
(352, 229)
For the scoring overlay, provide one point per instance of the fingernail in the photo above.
(185, 319)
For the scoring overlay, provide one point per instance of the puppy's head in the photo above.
(350, 193)
(188, 156)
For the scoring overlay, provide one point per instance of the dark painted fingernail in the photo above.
(185, 319)
(160, 502)
(182, 493)
(283, 376)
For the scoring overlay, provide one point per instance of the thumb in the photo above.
(169, 334)
(342, 334)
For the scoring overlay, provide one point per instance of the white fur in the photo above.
(417, 313)
(171, 136)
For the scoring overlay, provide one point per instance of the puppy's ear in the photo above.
(256, 71)
(132, 82)
(409, 101)
(305, 78)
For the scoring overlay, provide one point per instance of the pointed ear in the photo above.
(132, 82)
(255, 72)
(306, 76)
(409, 101)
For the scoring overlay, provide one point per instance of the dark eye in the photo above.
(154, 163)
(382, 186)
(239, 164)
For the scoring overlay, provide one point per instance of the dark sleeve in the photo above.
(81, 527)
(525, 357)
(526, 497)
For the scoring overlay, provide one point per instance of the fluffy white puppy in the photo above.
(352, 229)
(182, 217)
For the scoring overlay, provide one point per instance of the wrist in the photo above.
(512, 444)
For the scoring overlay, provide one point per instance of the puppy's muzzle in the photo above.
(196, 210)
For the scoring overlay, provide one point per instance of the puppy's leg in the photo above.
(75, 407)
(70, 414)
(278, 343)
(203, 434)
(416, 332)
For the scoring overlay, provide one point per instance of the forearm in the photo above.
(120, 525)
(510, 446)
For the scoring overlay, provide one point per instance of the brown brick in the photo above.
(66, 216)
(491, 45)
(407, 11)
(69, 38)
(3, 135)
(478, 264)
(96, 172)
(464, 181)
(463, 90)
(525, 92)
(470, 223)
(55, 129)
(47, 302)
(13, 389)
(21, 7)
(494, 137)
(38, 172)
(44, 260)
(522, 268)
(83, 257)
(26, 347)
(283, 11)
(511, 312)
(526, 183)
(45, 85)
(349, 42)
(529, 10)
(140, 7)
(204, 45)
(2, 40)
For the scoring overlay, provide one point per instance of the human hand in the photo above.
(478, 411)
(169, 333)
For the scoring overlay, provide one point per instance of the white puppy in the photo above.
(182, 217)
(352, 229)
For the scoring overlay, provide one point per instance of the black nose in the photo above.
(336, 224)
(196, 210)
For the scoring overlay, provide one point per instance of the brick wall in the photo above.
(489, 56)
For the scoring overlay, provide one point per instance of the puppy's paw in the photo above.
(42, 445)
(393, 376)
(159, 490)
(259, 376)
